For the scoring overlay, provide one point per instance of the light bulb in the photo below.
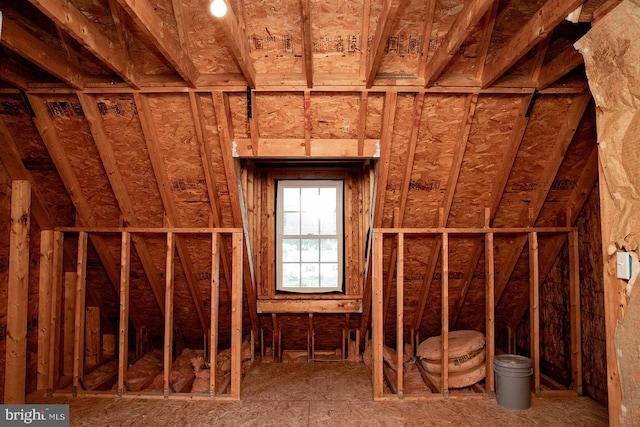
(218, 8)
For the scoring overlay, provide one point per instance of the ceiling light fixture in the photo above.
(218, 8)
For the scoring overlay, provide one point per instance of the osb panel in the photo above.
(207, 39)
(404, 116)
(140, 292)
(239, 115)
(181, 154)
(375, 104)
(336, 32)
(472, 312)
(405, 41)
(147, 58)
(464, 62)
(438, 137)
(75, 138)
(592, 298)
(555, 326)
(547, 118)
(490, 133)
(217, 162)
(328, 331)
(275, 36)
(444, 14)
(36, 159)
(516, 293)
(294, 329)
(512, 15)
(184, 310)
(584, 142)
(99, 13)
(335, 115)
(122, 126)
(280, 115)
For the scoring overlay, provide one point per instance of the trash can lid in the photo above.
(512, 361)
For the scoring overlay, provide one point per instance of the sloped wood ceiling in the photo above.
(124, 112)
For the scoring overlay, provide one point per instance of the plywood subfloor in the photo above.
(319, 394)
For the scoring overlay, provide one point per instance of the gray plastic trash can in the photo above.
(513, 381)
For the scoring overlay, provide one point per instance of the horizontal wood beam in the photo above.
(537, 28)
(85, 32)
(310, 306)
(295, 147)
(151, 24)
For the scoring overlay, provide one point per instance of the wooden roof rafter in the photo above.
(559, 66)
(537, 28)
(237, 40)
(383, 29)
(108, 157)
(205, 155)
(45, 57)
(181, 24)
(454, 174)
(588, 178)
(168, 202)
(15, 74)
(85, 32)
(461, 28)
(428, 27)
(150, 23)
(70, 180)
(528, 216)
(517, 134)
(483, 50)
(398, 219)
(225, 132)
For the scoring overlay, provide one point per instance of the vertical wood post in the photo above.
(213, 330)
(81, 284)
(168, 313)
(123, 343)
(44, 308)
(574, 296)
(92, 336)
(377, 315)
(490, 311)
(445, 314)
(56, 307)
(236, 316)
(534, 310)
(400, 313)
(17, 293)
(70, 279)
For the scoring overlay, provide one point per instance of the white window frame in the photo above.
(338, 184)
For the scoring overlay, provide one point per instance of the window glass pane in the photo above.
(327, 210)
(291, 250)
(329, 250)
(309, 223)
(291, 223)
(310, 275)
(310, 250)
(328, 275)
(291, 275)
(291, 199)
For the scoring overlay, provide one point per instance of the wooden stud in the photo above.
(307, 43)
(574, 313)
(56, 307)
(44, 308)
(377, 315)
(213, 330)
(168, 313)
(123, 345)
(70, 280)
(400, 314)
(445, 315)
(81, 288)
(362, 121)
(490, 311)
(17, 294)
(534, 308)
(307, 123)
(236, 316)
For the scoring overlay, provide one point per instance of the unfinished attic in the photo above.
(353, 185)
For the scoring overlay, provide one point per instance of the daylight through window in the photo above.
(309, 235)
